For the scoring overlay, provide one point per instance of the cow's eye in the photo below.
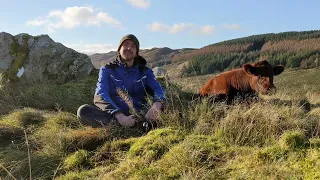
(262, 79)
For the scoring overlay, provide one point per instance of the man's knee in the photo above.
(83, 110)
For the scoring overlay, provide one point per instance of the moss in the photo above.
(155, 143)
(83, 174)
(14, 48)
(127, 169)
(113, 151)
(19, 54)
(196, 153)
(76, 160)
(67, 63)
(311, 165)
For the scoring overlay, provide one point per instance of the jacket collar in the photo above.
(138, 60)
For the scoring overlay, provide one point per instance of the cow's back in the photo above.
(227, 85)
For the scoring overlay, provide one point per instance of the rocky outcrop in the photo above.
(101, 59)
(33, 59)
(159, 71)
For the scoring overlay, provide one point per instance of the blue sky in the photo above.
(96, 26)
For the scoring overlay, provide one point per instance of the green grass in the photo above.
(195, 140)
(299, 82)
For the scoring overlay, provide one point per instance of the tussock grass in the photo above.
(259, 124)
(9, 134)
(46, 96)
(206, 115)
(23, 118)
(16, 161)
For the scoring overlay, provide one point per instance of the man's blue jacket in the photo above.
(135, 81)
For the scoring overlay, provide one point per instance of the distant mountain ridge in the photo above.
(155, 56)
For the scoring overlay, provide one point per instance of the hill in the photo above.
(155, 57)
(292, 49)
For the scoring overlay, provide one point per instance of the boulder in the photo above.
(34, 59)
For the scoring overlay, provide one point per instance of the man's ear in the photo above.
(278, 69)
(249, 69)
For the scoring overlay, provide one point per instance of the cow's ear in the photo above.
(278, 69)
(249, 69)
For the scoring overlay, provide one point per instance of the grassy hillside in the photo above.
(292, 82)
(291, 49)
(40, 137)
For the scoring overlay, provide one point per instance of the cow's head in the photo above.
(261, 76)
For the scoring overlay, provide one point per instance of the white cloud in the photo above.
(142, 4)
(183, 27)
(176, 28)
(72, 17)
(232, 27)
(157, 27)
(36, 22)
(92, 48)
(207, 30)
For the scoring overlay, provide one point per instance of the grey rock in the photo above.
(6, 59)
(42, 59)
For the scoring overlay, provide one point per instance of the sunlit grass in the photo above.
(272, 139)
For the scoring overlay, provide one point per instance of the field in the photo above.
(41, 138)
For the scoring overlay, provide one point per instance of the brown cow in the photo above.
(243, 82)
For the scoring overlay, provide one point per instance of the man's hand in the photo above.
(154, 111)
(124, 120)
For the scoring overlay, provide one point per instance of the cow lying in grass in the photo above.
(244, 83)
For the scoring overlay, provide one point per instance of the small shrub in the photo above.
(273, 153)
(293, 140)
